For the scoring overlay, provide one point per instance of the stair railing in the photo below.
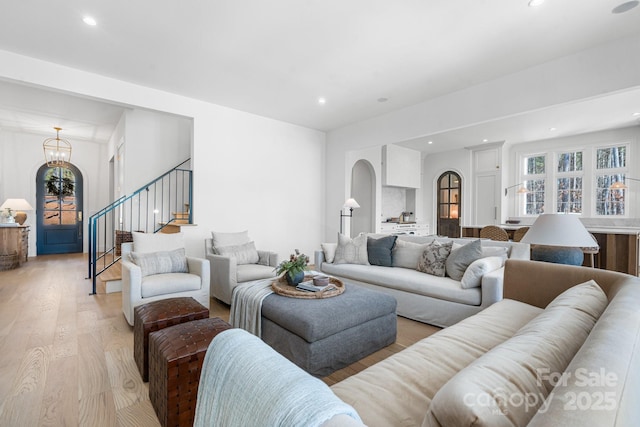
(149, 209)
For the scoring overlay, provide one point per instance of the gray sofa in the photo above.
(558, 350)
(440, 301)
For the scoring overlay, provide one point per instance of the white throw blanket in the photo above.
(244, 383)
(246, 305)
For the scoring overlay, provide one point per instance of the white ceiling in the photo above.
(35, 110)
(275, 58)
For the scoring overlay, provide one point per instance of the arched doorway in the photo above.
(363, 190)
(449, 204)
(59, 210)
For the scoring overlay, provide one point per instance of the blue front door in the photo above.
(59, 210)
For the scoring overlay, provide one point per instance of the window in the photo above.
(59, 196)
(535, 182)
(569, 182)
(576, 180)
(611, 166)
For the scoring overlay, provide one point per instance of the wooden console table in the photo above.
(14, 246)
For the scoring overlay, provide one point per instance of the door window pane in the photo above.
(60, 196)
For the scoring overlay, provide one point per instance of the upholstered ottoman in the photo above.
(176, 355)
(159, 315)
(324, 335)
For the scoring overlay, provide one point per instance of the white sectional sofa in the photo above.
(440, 301)
(559, 350)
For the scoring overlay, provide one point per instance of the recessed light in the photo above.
(636, 114)
(430, 142)
(485, 140)
(552, 129)
(89, 21)
(534, 3)
(322, 101)
(625, 7)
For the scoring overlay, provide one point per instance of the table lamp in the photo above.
(18, 205)
(558, 238)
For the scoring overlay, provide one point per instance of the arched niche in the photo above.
(363, 189)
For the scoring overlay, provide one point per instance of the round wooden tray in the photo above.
(281, 287)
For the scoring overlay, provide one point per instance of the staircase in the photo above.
(179, 219)
(162, 205)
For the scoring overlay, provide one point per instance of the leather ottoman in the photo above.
(176, 355)
(159, 315)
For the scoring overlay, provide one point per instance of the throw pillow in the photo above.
(156, 242)
(351, 251)
(161, 262)
(329, 250)
(379, 250)
(472, 277)
(434, 257)
(508, 384)
(229, 239)
(244, 254)
(461, 258)
(407, 254)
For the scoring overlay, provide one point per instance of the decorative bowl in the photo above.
(321, 280)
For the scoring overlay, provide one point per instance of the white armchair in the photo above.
(237, 263)
(154, 267)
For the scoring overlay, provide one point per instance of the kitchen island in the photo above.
(618, 245)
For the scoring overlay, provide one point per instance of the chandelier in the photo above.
(57, 152)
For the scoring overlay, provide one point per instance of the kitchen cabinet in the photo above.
(401, 167)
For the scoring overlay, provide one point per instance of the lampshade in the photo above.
(621, 185)
(559, 230)
(18, 205)
(57, 152)
(351, 203)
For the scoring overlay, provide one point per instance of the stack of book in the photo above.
(308, 286)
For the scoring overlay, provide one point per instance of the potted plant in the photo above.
(293, 268)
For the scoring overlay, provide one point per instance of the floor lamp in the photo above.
(351, 204)
(558, 238)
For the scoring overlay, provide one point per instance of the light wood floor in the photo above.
(66, 357)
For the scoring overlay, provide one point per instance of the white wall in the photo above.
(590, 73)
(250, 172)
(21, 158)
(373, 156)
(363, 190)
(434, 165)
(154, 144)
(257, 174)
